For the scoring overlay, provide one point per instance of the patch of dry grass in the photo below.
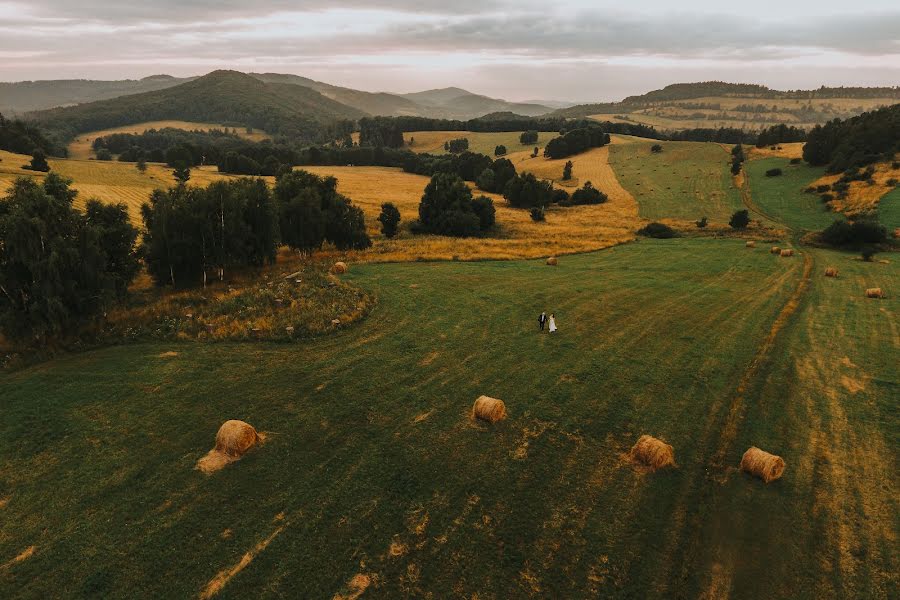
(863, 198)
(786, 150)
(432, 142)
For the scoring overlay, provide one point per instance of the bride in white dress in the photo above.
(552, 322)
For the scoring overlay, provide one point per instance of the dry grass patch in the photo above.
(786, 150)
(863, 198)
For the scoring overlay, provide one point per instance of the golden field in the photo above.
(81, 148)
(863, 198)
(432, 142)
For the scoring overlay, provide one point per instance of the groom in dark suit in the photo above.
(542, 320)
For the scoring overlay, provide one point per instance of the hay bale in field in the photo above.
(874, 293)
(775, 250)
(339, 268)
(552, 261)
(233, 440)
(760, 463)
(489, 409)
(787, 252)
(653, 452)
(831, 272)
(751, 244)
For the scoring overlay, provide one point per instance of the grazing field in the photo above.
(432, 142)
(783, 198)
(372, 467)
(686, 181)
(81, 148)
(889, 209)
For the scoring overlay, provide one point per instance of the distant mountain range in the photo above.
(447, 103)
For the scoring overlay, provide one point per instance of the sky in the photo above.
(579, 50)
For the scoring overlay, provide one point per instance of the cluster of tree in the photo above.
(456, 146)
(780, 134)
(38, 162)
(241, 164)
(192, 232)
(855, 234)
(448, 208)
(737, 159)
(389, 219)
(657, 230)
(528, 137)
(58, 265)
(24, 138)
(856, 142)
(586, 194)
(495, 177)
(740, 219)
(575, 141)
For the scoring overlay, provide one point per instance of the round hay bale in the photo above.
(775, 250)
(751, 244)
(831, 272)
(233, 440)
(653, 452)
(489, 409)
(874, 293)
(552, 261)
(787, 252)
(339, 268)
(760, 463)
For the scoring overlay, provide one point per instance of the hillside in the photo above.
(717, 104)
(220, 97)
(24, 96)
(457, 103)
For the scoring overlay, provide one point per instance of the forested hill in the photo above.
(25, 96)
(225, 97)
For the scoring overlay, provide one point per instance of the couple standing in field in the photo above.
(550, 323)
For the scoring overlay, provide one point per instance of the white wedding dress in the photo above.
(552, 324)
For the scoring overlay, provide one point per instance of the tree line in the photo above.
(22, 137)
(855, 142)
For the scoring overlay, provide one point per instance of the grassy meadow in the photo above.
(686, 181)
(373, 481)
(432, 142)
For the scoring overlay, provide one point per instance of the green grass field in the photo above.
(782, 198)
(373, 466)
(889, 209)
(687, 180)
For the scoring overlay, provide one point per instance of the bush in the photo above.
(796, 161)
(486, 181)
(389, 219)
(773, 172)
(735, 167)
(38, 162)
(567, 171)
(740, 219)
(487, 214)
(702, 223)
(559, 196)
(657, 230)
(104, 154)
(528, 137)
(500, 150)
(868, 254)
(656, 148)
(527, 191)
(537, 214)
(588, 194)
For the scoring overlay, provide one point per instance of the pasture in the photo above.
(783, 198)
(686, 181)
(372, 466)
(81, 148)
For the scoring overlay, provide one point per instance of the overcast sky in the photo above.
(580, 50)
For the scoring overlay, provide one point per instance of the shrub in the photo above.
(702, 223)
(486, 181)
(527, 191)
(588, 194)
(868, 253)
(559, 196)
(38, 162)
(773, 172)
(735, 167)
(487, 214)
(389, 219)
(537, 214)
(657, 230)
(500, 150)
(796, 161)
(567, 171)
(528, 137)
(104, 154)
(740, 219)
(892, 182)
(656, 148)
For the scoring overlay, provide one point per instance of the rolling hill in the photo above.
(457, 103)
(219, 97)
